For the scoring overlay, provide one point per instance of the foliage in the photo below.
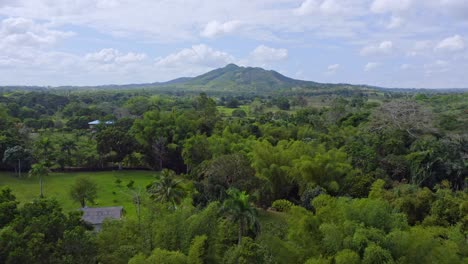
(83, 190)
(375, 176)
(18, 156)
(41, 233)
(167, 189)
(238, 209)
(281, 205)
(222, 173)
(197, 250)
(39, 170)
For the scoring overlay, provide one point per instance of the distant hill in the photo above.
(236, 79)
(233, 78)
(243, 79)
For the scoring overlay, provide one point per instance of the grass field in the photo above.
(57, 185)
(225, 111)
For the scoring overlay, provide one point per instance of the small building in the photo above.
(96, 215)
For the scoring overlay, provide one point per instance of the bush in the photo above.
(282, 205)
(309, 194)
(239, 113)
(130, 184)
(118, 182)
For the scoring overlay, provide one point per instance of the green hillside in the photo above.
(246, 79)
(233, 78)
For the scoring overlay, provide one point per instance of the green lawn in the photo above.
(57, 185)
(225, 111)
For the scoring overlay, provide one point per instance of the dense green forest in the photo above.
(353, 176)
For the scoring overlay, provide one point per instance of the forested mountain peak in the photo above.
(234, 79)
(238, 78)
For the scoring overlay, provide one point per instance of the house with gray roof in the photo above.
(96, 215)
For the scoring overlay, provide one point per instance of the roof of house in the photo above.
(97, 215)
(97, 122)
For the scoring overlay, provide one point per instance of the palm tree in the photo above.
(39, 170)
(239, 210)
(167, 189)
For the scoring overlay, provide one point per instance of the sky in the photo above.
(389, 43)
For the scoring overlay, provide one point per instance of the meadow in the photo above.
(58, 185)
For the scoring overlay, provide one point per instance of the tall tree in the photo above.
(39, 170)
(114, 139)
(222, 173)
(238, 208)
(167, 189)
(159, 150)
(15, 156)
(67, 146)
(43, 149)
(196, 150)
(407, 116)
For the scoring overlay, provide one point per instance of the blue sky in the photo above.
(390, 43)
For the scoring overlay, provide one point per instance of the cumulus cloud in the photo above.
(385, 47)
(455, 43)
(111, 55)
(264, 55)
(19, 32)
(384, 6)
(215, 28)
(327, 7)
(371, 66)
(198, 55)
(32, 34)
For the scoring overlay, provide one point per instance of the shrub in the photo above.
(130, 184)
(118, 181)
(239, 113)
(282, 205)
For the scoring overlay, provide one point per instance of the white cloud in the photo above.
(384, 6)
(32, 34)
(110, 55)
(198, 55)
(21, 32)
(455, 43)
(215, 28)
(328, 7)
(264, 55)
(131, 57)
(383, 48)
(371, 66)
(331, 69)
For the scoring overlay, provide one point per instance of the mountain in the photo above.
(233, 78)
(243, 79)
(230, 79)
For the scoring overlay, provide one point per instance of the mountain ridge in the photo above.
(235, 79)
